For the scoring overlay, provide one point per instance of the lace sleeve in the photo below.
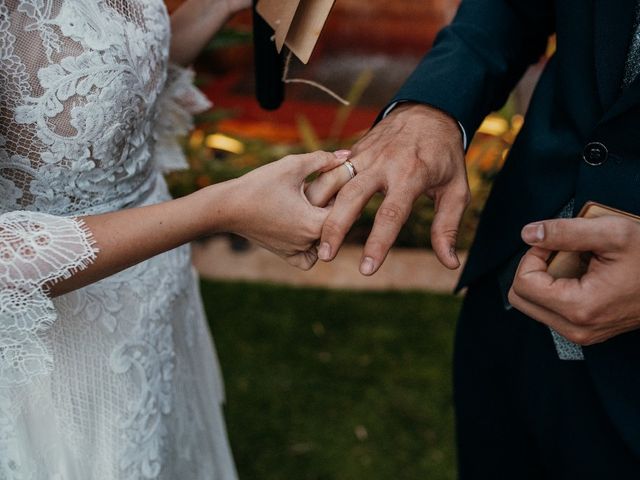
(36, 250)
(178, 102)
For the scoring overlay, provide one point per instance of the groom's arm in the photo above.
(477, 60)
(417, 148)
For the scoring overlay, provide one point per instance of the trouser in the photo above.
(521, 413)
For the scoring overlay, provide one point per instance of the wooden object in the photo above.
(575, 264)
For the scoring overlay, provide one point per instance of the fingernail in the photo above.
(533, 233)
(367, 266)
(324, 252)
(342, 154)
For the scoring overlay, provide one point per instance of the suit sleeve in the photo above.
(477, 59)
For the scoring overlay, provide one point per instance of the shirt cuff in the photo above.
(462, 130)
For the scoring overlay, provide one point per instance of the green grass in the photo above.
(325, 385)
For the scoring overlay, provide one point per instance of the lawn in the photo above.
(325, 385)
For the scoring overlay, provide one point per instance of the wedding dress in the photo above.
(117, 380)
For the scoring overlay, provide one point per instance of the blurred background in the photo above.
(331, 375)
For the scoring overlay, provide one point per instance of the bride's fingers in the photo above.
(324, 188)
(309, 163)
(304, 260)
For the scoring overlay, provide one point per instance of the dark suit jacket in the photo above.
(474, 64)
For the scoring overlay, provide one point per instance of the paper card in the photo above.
(297, 23)
(576, 264)
(279, 15)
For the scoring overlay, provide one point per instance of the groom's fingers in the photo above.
(444, 230)
(350, 201)
(391, 215)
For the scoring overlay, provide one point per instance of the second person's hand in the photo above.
(605, 301)
(415, 150)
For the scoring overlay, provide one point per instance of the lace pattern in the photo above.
(180, 101)
(35, 250)
(105, 382)
(77, 134)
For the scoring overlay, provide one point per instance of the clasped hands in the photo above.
(417, 150)
(303, 222)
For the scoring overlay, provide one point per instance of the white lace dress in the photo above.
(118, 380)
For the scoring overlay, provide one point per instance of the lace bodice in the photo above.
(77, 114)
(90, 111)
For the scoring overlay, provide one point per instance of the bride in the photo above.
(107, 369)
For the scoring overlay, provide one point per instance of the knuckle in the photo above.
(391, 213)
(411, 168)
(413, 178)
(315, 231)
(446, 231)
(580, 316)
(516, 287)
(452, 234)
(352, 190)
(461, 195)
(579, 336)
(305, 265)
(294, 261)
(554, 229)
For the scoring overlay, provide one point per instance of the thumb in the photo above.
(603, 234)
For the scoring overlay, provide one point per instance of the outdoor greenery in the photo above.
(326, 385)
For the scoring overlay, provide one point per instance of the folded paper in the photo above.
(297, 23)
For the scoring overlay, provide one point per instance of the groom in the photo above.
(527, 407)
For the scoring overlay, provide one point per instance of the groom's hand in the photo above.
(415, 150)
(604, 302)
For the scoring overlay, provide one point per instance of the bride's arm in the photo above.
(267, 206)
(195, 22)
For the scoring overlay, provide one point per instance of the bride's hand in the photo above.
(269, 206)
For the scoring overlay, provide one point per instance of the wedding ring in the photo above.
(350, 168)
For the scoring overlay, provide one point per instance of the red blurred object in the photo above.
(362, 28)
(279, 125)
(381, 26)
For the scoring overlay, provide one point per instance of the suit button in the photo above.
(595, 153)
